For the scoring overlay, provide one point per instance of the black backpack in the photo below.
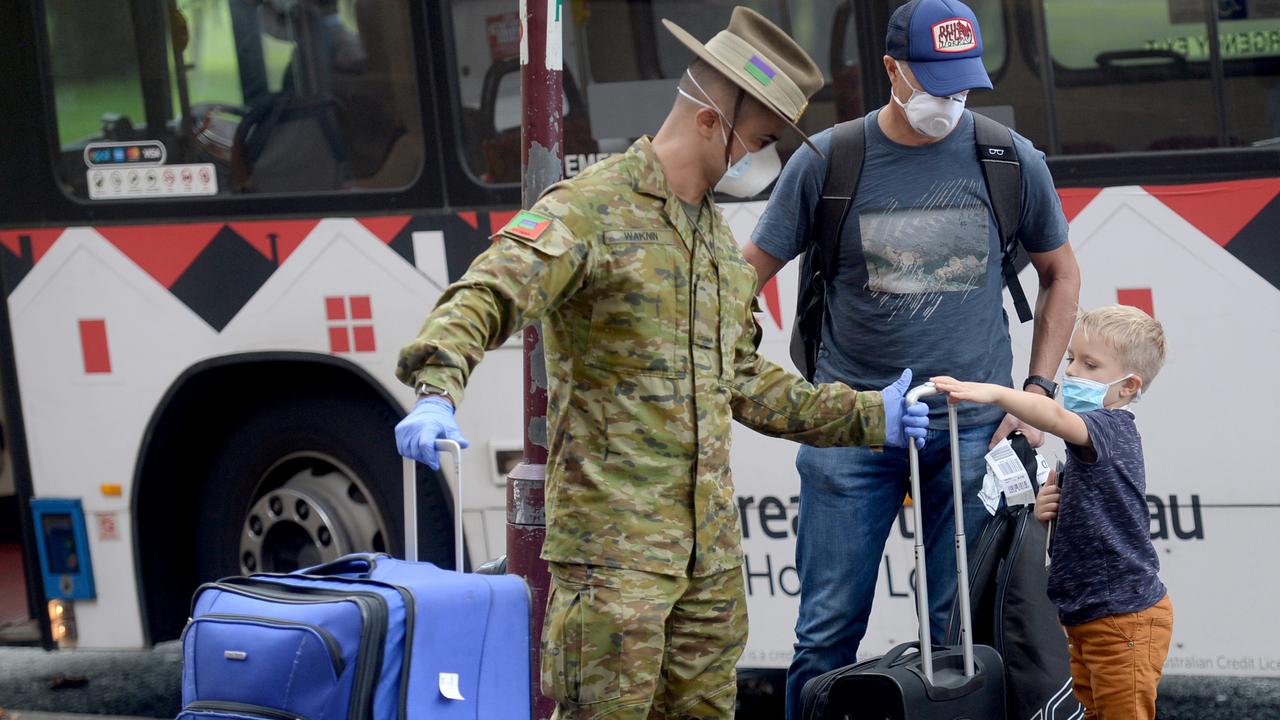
(1012, 611)
(1003, 175)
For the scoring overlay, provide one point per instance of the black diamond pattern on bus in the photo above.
(222, 278)
(1255, 245)
(14, 268)
(464, 243)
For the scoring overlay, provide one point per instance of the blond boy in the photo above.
(1104, 573)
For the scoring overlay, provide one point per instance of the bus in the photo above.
(220, 219)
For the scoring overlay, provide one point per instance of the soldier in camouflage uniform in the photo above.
(646, 307)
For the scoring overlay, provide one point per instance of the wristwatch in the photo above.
(1045, 384)
(425, 390)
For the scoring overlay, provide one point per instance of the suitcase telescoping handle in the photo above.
(444, 447)
(962, 555)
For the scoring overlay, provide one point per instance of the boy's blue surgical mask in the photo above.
(1080, 395)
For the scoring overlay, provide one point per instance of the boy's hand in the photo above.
(1047, 500)
(971, 391)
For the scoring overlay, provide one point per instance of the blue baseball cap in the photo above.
(941, 42)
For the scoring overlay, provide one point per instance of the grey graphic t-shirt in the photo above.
(918, 282)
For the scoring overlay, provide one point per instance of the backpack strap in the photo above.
(1003, 173)
(848, 144)
(844, 167)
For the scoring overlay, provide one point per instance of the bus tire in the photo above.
(299, 481)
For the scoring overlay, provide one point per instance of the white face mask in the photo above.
(753, 172)
(932, 116)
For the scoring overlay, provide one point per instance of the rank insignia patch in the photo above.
(528, 225)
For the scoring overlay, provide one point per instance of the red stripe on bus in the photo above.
(93, 343)
(1219, 210)
(1075, 199)
(498, 220)
(771, 300)
(1137, 297)
(41, 240)
(164, 251)
(289, 235)
(386, 228)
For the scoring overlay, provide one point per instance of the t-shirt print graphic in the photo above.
(916, 255)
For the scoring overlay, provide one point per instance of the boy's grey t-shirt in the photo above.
(918, 283)
(1102, 559)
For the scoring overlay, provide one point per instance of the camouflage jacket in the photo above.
(651, 349)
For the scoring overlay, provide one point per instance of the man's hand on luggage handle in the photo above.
(429, 420)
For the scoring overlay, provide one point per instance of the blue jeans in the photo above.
(849, 500)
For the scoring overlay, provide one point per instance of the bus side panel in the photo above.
(1206, 427)
(100, 338)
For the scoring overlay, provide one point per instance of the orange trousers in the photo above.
(1116, 662)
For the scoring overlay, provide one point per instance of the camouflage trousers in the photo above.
(630, 644)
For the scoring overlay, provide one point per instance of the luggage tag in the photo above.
(990, 493)
(449, 686)
(1003, 463)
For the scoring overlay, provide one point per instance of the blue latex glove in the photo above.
(429, 420)
(901, 421)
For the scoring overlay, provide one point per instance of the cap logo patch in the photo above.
(954, 36)
(760, 70)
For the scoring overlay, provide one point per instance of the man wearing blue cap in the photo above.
(917, 282)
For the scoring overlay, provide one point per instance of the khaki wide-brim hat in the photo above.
(762, 60)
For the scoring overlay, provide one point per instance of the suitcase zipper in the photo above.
(241, 709)
(373, 612)
(335, 651)
(410, 610)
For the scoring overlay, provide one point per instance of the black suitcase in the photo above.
(1012, 611)
(916, 680)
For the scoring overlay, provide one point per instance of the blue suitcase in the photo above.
(365, 636)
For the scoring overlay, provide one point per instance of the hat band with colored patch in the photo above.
(756, 70)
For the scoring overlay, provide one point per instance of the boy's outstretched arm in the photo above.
(1035, 410)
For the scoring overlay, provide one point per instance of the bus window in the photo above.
(827, 30)
(486, 65)
(245, 96)
(703, 20)
(93, 68)
(621, 70)
(1146, 74)
(1250, 47)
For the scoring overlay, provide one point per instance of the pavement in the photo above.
(69, 684)
(138, 683)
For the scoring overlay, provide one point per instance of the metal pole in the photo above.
(1047, 79)
(1216, 72)
(542, 164)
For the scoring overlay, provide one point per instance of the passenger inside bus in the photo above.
(340, 119)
